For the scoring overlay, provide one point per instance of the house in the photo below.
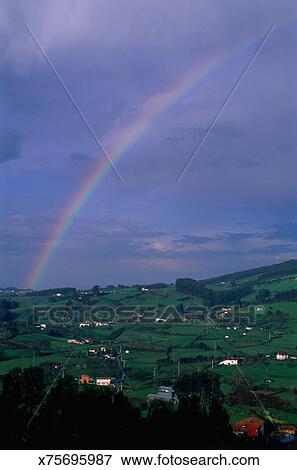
(231, 361)
(84, 379)
(92, 352)
(252, 427)
(56, 365)
(166, 389)
(75, 341)
(165, 394)
(282, 356)
(104, 382)
(287, 429)
(109, 357)
(98, 324)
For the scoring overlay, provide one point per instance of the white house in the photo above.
(231, 361)
(104, 382)
(75, 341)
(282, 356)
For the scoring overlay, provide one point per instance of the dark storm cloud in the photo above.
(10, 145)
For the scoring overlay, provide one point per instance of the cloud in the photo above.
(278, 249)
(227, 129)
(286, 147)
(285, 231)
(80, 157)
(237, 236)
(185, 132)
(10, 145)
(193, 240)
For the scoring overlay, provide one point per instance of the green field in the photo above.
(155, 353)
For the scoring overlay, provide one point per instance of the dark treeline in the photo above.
(265, 296)
(286, 296)
(71, 417)
(210, 297)
(6, 307)
(156, 285)
(65, 291)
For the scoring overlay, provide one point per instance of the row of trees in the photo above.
(211, 297)
(265, 296)
(6, 307)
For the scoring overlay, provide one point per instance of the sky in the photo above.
(234, 208)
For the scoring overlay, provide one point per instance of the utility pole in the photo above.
(178, 368)
(214, 354)
(154, 374)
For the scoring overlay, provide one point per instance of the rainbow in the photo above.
(122, 141)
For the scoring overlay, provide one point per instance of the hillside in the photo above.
(274, 271)
(267, 284)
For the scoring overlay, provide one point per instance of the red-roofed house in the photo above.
(282, 356)
(252, 427)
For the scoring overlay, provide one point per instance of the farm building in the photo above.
(104, 382)
(92, 352)
(99, 381)
(287, 429)
(75, 341)
(231, 361)
(84, 379)
(165, 394)
(56, 365)
(252, 427)
(282, 356)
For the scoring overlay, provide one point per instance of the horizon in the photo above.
(116, 284)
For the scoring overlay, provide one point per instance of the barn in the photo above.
(230, 361)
